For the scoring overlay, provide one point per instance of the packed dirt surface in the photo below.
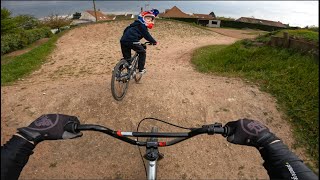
(76, 81)
(238, 33)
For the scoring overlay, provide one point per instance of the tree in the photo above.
(76, 15)
(212, 14)
(7, 23)
(5, 13)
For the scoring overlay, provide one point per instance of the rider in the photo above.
(134, 33)
(279, 161)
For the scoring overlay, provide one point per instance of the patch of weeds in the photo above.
(53, 165)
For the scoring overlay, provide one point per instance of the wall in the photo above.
(86, 16)
(214, 25)
(297, 44)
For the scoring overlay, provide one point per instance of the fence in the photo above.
(293, 43)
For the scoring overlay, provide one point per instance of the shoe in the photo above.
(143, 71)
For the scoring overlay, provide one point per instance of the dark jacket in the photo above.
(135, 32)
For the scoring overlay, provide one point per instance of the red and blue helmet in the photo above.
(152, 13)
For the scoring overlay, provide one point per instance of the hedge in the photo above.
(14, 41)
(190, 20)
(237, 24)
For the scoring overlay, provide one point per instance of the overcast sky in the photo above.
(294, 13)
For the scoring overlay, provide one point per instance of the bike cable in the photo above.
(155, 119)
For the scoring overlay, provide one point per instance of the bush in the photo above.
(237, 24)
(14, 41)
(56, 21)
(10, 42)
(26, 22)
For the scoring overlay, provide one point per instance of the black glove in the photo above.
(49, 127)
(249, 132)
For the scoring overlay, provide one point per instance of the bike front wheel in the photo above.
(120, 80)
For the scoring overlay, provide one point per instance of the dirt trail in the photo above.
(238, 33)
(76, 81)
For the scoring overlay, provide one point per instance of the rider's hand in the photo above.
(49, 127)
(249, 132)
(155, 43)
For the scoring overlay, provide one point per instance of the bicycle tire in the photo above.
(121, 65)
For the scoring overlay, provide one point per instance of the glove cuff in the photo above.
(266, 140)
(30, 135)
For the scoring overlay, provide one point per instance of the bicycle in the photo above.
(123, 72)
(152, 144)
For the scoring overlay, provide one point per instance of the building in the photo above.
(208, 20)
(262, 21)
(90, 15)
(175, 12)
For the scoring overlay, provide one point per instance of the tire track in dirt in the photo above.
(76, 80)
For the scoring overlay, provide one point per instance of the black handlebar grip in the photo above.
(71, 127)
(227, 131)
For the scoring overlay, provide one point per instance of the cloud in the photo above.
(299, 13)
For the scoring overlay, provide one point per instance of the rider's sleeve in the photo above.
(281, 163)
(145, 33)
(14, 156)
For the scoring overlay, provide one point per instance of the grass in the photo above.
(18, 67)
(292, 78)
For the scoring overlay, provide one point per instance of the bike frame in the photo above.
(152, 170)
(134, 63)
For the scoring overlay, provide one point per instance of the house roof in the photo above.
(100, 15)
(261, 21)
(175, 13)
(204, 16)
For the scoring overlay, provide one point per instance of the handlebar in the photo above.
(145, 43)
(210, 129)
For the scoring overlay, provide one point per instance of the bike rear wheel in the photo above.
(120, 80)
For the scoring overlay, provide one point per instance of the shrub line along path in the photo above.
(76, 80)
(32, 46)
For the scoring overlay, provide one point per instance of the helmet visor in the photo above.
(149, 18)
